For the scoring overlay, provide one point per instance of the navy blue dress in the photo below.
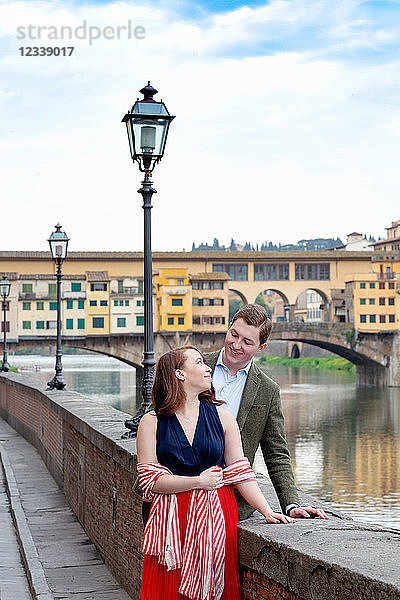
(207, 450)
(182, 458)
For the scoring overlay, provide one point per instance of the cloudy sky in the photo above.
(287, 120)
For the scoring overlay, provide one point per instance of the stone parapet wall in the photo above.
(80, 443)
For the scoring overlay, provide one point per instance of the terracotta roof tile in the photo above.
(97, 276)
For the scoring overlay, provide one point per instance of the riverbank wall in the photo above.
(79, 441)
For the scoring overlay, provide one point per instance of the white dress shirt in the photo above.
(229, 387)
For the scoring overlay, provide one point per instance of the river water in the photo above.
(344, 441)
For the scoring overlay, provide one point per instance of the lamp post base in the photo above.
(57, 383)
(132, 424)
(5, 367)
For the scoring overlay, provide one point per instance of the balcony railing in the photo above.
(127, 291)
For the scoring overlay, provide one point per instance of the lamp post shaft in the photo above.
(58, 381)
(148, 362)
(5, 366)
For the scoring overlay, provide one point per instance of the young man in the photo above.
(254, 399)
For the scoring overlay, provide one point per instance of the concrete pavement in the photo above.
(60, 562)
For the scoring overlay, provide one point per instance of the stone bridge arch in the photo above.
(376, 356)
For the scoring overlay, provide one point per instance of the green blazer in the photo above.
(261, 422)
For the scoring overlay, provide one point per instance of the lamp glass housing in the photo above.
(58, 242)
(147, 127)
(5, 286)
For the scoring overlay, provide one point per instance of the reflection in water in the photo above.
(101, 378)
(344, 440)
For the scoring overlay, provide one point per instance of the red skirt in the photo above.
(160, 584)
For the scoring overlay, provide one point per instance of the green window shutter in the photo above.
(81, 304)
(115, 302)
(76, 287)
(39, 324)
(121, 322)
(26, 325)
(52, 290)
(70, 304)
(70, 323)
(39, 305)
(27, 288)
(126, 302)
(53, 305)
(140, 320)
(26, 306)
(81, 323)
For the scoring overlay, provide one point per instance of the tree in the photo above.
(235, 304)
(261, 301)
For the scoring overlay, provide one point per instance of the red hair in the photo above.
(168, 391)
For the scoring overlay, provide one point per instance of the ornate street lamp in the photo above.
(147, 125)
(58, 246)
(5, 286)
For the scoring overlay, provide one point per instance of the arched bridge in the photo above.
(129, 347)
(376, 355)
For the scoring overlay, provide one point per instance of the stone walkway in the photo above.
(62, 563)
(13, 581)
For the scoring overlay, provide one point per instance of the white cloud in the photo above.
(274, 146)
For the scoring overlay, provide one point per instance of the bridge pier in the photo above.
(372, 374)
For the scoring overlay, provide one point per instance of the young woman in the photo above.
(189, 457)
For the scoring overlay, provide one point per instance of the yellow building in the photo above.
(210, 301)
(97, 311)
(372, 304)
(173, 300)
(36, 314)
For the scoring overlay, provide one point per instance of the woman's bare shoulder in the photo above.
(149, 420)
(225, 415)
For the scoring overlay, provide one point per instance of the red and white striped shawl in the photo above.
(202, 560)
